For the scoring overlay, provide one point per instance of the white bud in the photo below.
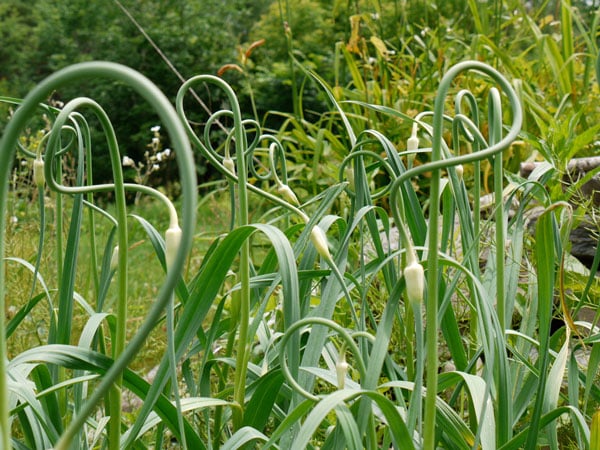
(114, 259)
(341, 369)
(415, 282)
(412, 144)
(459, 171)
(38, 172)
(172, 241)
(319, 240)
(286, 192)
(229, 164)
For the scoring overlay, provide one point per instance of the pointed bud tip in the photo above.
(288, 195)
(341, 369)
(319, 240)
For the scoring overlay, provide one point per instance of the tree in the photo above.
(43, 36)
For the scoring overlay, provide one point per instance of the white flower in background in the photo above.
(166, 152)
(128, 162)
(155, 129)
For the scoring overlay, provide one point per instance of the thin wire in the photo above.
(166, 59)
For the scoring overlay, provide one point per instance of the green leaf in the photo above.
(481, 401)
(330, 402)
(77, 358)
(243, 436)
(259, 407)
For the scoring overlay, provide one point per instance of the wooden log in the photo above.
(578, 165)
(584, 237)
(577, 168)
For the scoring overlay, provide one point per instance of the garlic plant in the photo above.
(123, 351)
(325, 334)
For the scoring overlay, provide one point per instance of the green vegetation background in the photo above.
(421, 39)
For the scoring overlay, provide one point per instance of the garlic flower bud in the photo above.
(459, 171)
(412, 144)
(38, 172)
(229, 164)
(172, 241)
(415, 282)
(341, 369)
(288, 195)
(319, 240)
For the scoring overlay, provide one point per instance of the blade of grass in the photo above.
(545, 257)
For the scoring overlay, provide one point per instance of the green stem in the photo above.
(118, 344)
(187, 174)
(241, 180)
(173, 365)
(495, 136)
(437, 163)
(243, 347)
(503, 394)
(431, 302)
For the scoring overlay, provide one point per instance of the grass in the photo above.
(146, 273)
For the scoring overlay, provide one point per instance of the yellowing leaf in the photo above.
(352, 45)
(380, 47)
(595, 432)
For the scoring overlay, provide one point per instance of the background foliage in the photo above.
(386, 52)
